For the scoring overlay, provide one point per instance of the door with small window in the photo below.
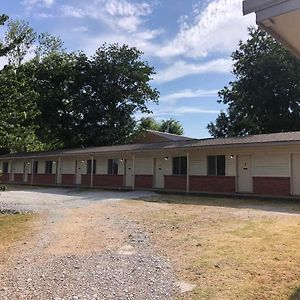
(245, 181)
(26, 171)
(80, 164)
(128, 172)
(159, 173)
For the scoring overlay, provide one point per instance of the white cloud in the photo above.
(40, 3)
(181, 110)
(117, 14)
(181, 69)
(188, 94)
(215, 29)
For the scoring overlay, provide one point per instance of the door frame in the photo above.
(238, 173)
(155, 173)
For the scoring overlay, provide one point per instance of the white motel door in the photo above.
(128, 172)
(26, 171)
(296, 174)
(245, 181)
(159, 173)
(79, 170)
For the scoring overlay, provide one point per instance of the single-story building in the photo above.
(266, 164)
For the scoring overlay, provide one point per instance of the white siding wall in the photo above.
(198, 164)
(41, 166)
(271, 164)
(230, 165)
(101, 166)
(67, 166)
(144, 166)
(168, 166)
(18, 166)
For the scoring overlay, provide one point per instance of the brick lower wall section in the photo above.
(18, 178)
(85, 179)
(175, 182)
(67, 179)
(212, 184)
(143, 181)
(279, 186)
(43, 179)
(108, 181)
(4, 178)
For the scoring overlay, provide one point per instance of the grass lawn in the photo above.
(229, 248)
(14, 228)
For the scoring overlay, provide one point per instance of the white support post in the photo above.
(187, 171)
(92, 171)
(133, 171)
(11, 171)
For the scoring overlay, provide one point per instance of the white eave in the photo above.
(281, 18)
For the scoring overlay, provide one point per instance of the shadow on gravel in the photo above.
(295, 295)
(291, 206)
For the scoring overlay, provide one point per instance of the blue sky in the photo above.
(189, 43)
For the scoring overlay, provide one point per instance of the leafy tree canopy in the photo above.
(265, 96)
(169, 125)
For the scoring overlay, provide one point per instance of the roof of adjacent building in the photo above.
(253, 140)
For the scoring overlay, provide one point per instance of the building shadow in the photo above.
(295, 295)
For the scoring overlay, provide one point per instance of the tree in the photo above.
(265, 97)
(18, 111)
(170, 126)
(48, 44)
(22, 37)
(91, 102)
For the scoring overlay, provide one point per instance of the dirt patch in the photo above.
(229, 251)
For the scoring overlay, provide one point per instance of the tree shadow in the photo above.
(290, 206)
(295, 295)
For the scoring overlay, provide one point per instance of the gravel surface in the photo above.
(130, 271)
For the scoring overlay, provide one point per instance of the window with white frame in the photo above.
(89, 166)
(112, 166)
(216, 165)
(179, 165)
(48, 167)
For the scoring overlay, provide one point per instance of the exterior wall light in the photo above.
(122, 159)
(231, 156)
(166, 158)
(83, 161)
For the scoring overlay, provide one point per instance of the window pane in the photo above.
(35, 167)
(221, 165)
(211, 165)
(183, 165)
(176, 165)
(115, 166)
(88, 166)
(48, 167)
(5, 168)
(109, 166)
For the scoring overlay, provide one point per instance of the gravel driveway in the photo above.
(84, 248)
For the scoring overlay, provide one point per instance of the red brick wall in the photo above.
(86, 179)
(4, 178)
(271, 186)
(217, 184)
(44, 179)
(175, 182)
(18, 177)
(67, 179)
(143, 181)
(108, 180)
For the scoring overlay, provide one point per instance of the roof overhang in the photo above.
(281, 18)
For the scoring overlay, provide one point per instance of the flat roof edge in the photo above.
(250, 6)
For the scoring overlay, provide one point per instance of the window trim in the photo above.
(47, 163)
(112, 160)
(180, 166)
(216, 157)
(6, 169)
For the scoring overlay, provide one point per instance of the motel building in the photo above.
(267, 164)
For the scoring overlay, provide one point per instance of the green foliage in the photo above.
(18, 110)
(88, 102)
(265, 97)
(22, 36)
(48, 44)
(170, 126)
